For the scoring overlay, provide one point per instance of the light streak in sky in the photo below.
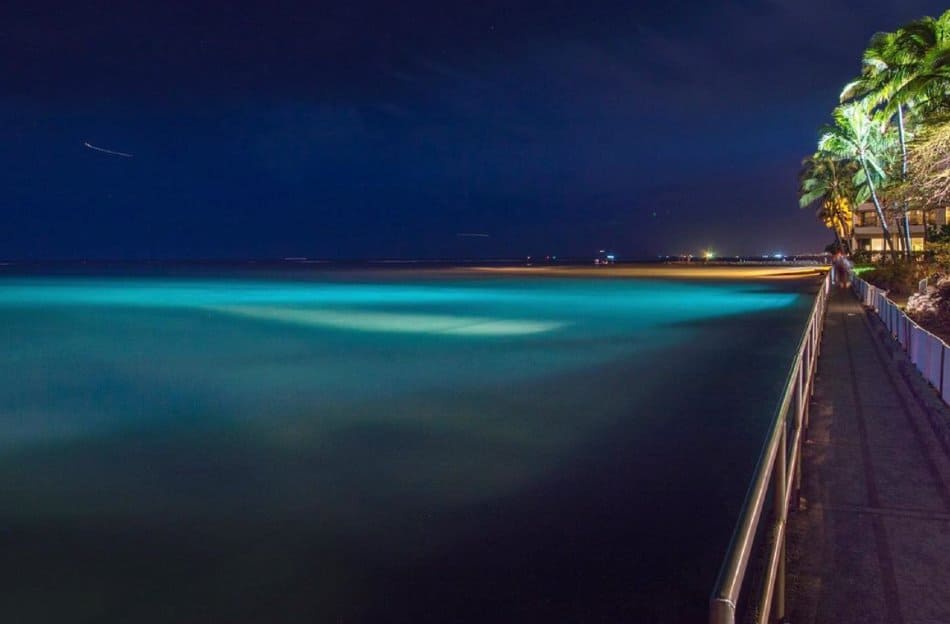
(106, 151)
(472, 235)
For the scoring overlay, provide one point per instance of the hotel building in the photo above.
(867, 234)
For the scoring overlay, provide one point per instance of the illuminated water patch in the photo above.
(558, 297)
(395, 322)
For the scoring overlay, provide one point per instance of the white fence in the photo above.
(929, 354)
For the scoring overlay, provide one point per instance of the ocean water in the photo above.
(378, 447)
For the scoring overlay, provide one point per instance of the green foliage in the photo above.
(856, 137)
(939, 252)
(898, 278)
(824, 179)
(903, 86)
(937, 235)
(827, 184)
(924, 47)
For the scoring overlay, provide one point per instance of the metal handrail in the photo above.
(783, 472)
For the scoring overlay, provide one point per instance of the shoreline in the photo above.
(666, 271)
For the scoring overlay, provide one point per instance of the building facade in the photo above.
(867, 236)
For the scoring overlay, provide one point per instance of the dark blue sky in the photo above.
(371, 128)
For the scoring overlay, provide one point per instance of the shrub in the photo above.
(940, 254)
(898, 279)
(861, 256)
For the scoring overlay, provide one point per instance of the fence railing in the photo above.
(778, 468)
(929, 354)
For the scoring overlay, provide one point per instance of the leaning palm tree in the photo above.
(888, 66)
(827, 184)
(855, 136)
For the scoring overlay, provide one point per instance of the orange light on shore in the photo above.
(674, 271)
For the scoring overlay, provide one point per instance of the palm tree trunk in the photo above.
(901, 235)
(841, 233)
(841, 236)
(903, 142)
(880, 213)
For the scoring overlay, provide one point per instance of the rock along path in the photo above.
(871, 542)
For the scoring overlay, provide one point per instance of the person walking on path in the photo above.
(843, 269)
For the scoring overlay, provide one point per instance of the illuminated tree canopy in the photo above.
(892, 130)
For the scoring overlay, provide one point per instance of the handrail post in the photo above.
(801, 400)
(722, 612)
(806, 364)
(781, 513)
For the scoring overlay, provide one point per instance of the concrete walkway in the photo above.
(871, 542)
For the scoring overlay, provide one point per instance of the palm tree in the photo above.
(828, 184)
(887, 68)
(904, 85)
(855, 136)
(924, 47)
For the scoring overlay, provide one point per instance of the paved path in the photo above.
(872, 541)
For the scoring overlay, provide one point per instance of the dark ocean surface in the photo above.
(378, 446)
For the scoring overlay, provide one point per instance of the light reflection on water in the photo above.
(356, 420)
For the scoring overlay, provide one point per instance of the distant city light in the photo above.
(709, 254)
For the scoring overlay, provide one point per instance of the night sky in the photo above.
(387, 129)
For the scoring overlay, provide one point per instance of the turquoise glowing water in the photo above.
(404, 447)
